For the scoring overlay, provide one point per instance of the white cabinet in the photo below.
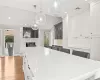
(95, 48)
(80, 26)
(80, 33)
(95, 25)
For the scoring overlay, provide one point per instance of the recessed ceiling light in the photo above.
(55, 4)
(65, 12)
(85, 0)
(9, 17)
(41, 19)
(25, 24)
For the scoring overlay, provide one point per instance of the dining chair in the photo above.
(65, 50)
(81, 54)
(54, 47)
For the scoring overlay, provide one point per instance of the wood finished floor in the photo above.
(11, 68)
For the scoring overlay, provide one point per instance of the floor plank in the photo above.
(11, 68)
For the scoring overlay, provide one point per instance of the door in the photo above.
(46, 38)
(9, 42)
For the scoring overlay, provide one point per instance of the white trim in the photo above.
(94, 2)
(1, 41)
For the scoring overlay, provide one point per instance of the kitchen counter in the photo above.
(48, 64)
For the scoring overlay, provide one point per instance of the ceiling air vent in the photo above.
(77, 8)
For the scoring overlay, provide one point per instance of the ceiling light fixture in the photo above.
(40, 17)
(55, 4)
(56, 8)
(35, 25)
(9, 17)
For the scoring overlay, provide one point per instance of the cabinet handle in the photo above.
(31, 71)
(28, 67)
(28, 77)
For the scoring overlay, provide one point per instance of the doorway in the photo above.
(9, 42)
(46, 38)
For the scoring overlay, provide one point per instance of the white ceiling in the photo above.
(14, 17)
(47, 6)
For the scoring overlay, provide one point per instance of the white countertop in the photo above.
(47, 64)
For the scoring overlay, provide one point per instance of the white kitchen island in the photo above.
(41, 63)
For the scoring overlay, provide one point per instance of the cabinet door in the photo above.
(95, 25)
(95, 48)
(80, 32)
(80, 26)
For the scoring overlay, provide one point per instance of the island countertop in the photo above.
(48, 64)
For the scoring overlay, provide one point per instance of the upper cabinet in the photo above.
(81, 27)
(95, 25)
(59, 31)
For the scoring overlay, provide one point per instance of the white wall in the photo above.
(24, 40)
(18, 19)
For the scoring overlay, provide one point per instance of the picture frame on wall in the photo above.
(59, 31)
(28, 32)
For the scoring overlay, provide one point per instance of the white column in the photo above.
(41, 37)
(17, 39)
(2, 42)
(65, 31)
(52, 36)
(95, 27)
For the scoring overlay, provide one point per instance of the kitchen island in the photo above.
(41, 63)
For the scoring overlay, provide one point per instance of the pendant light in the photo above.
(41, 17)
(35, 25)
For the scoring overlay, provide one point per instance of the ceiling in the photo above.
(48, 6)
(13, 17)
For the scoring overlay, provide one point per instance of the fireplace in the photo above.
(30, 44)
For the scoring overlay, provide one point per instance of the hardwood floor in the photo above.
(11, 68)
